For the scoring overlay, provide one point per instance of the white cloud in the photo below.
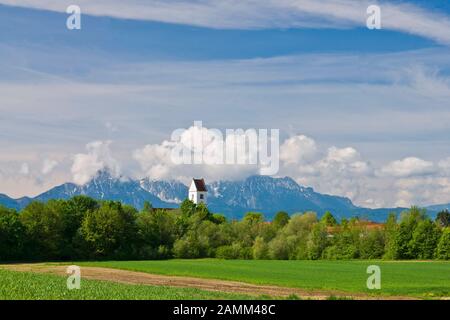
(404, 199)
(48, 166)
(98, 157)
(346, 162)
(423, 190)
(344, 172)
(111, 127)
(335, 170)
(249, 14)
(161, 161)
(428, 82)
(343, 155)
(24, 169)
(444, 165)
(408, 167)
(298, 149)
(340, 171)
(303, 88)
(155, 160)
(20, 179)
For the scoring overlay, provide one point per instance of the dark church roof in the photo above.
(200, 185)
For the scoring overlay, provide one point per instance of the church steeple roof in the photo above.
(200, 185)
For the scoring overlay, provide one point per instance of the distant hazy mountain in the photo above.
(232, 198)
(439, 207)
(169, 191)
(9, 202)
(106, 187)
(269, 195)
(14, 203)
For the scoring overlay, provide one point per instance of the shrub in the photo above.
(234, 251)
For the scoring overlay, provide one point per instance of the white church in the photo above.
(198, 191)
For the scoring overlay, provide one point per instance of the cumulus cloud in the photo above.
(298, 149)
(417, 182)
(344, 160)
(98, 157)
(334, 170)
(182, 157)
(342, 155)
(155, 159)
(399, 183)
(408, 167)
(251, 14)
(404, 199)
(339, 171)
(424, 190)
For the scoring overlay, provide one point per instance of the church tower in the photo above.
(197, 191)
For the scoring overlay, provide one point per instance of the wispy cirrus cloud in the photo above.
(263, 14)
(360, 106)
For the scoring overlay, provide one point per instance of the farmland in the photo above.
(402, 278)
(34, 286)
(227, 279)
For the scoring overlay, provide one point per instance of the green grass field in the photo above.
(35, 286)
(419, 279)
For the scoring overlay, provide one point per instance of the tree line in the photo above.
(82, 228)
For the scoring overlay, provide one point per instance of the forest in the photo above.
(83, 228)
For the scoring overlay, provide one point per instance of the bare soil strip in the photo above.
(132, 277)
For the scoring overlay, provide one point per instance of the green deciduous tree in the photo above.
(345, 243)
(443, 247)
(372, 244)
(443, 219)
(424, 240)
(44, 226)
(401, 248)
(187, 208)
(260, 249)
(82, 227)
(12, 235)
(281, 219)
(317, 241)
(110, 231)
(147, 206)
(390, 234)
(328, 219)
(291, 240)
(157, 230)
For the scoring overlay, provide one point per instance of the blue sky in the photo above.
(369, 107)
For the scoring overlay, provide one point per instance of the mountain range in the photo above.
(231, 198)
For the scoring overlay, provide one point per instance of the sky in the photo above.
(362, 113)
